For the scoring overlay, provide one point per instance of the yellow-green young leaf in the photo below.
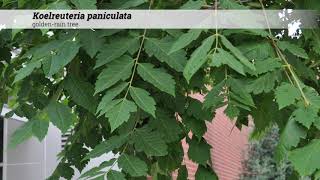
(21, 134)
(132, 165)
(185, 39)
(60, 115)
(204, 173)
(198, 58)
(286, 94)
(193, 4)
(60, 56)
(120, 113)
(160, 49)
(40, 125)
(237, 53)
(223, 57)
(26, 71)
(85, 4)
(115, 175)
(91, 41)
(116, 49)
(305, 115)
(109, 96)
(289, 137)
(81, 92)
(199, 151)
(150, 142)
(157, 77)
(143, 99)
(107, 146)
(292, 48)
(306, 159)
(119, 69)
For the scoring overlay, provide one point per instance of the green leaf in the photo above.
(40, 125)
(286, 94)
(107, 146)
(198, 58)
(289, 137)
(85, 4)
(158, 77)
(292, 48)
(26, 71)
(150, 142)
(60, 115)
(167, 126)
(223, 57)
(199, 151)
(81, 92)
(214, 98)
(60, 56)
(239, 93)
(265, 83)
(193, 4)
(183, 173)
(306, 159)
(197, 126)
(160, 49)
(109, 96)
(133, 165)
(96, 171)
(115, 49)
(236, 52)
(205, 174)
(185, 39)
(231, 4)
(91, 41)
(59, 5)
(21, 134)
(267, 65)
(120, 113)
(115, 175)
(232, 111)
(120, 69)
(305, 115)
(125, 4)
(143, 99)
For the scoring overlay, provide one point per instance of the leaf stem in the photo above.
(282, 57)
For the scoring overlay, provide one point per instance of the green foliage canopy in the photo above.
(122, 90)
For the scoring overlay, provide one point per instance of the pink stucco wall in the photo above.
(229, 147)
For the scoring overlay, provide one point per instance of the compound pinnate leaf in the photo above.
(26, 71)
(237, 53)
(91, 41)
(305, 115)
(60, 115)
(150, 142)
(85, 4)
(107, 146)
(143, 99)
(198, 58)
(294, 49)
(120, 113)
(132, 165)
(116, 49)
(185, 39)
(286, 94)
(21, 134)
(40, 125)
(158, 77)
(120, 69)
